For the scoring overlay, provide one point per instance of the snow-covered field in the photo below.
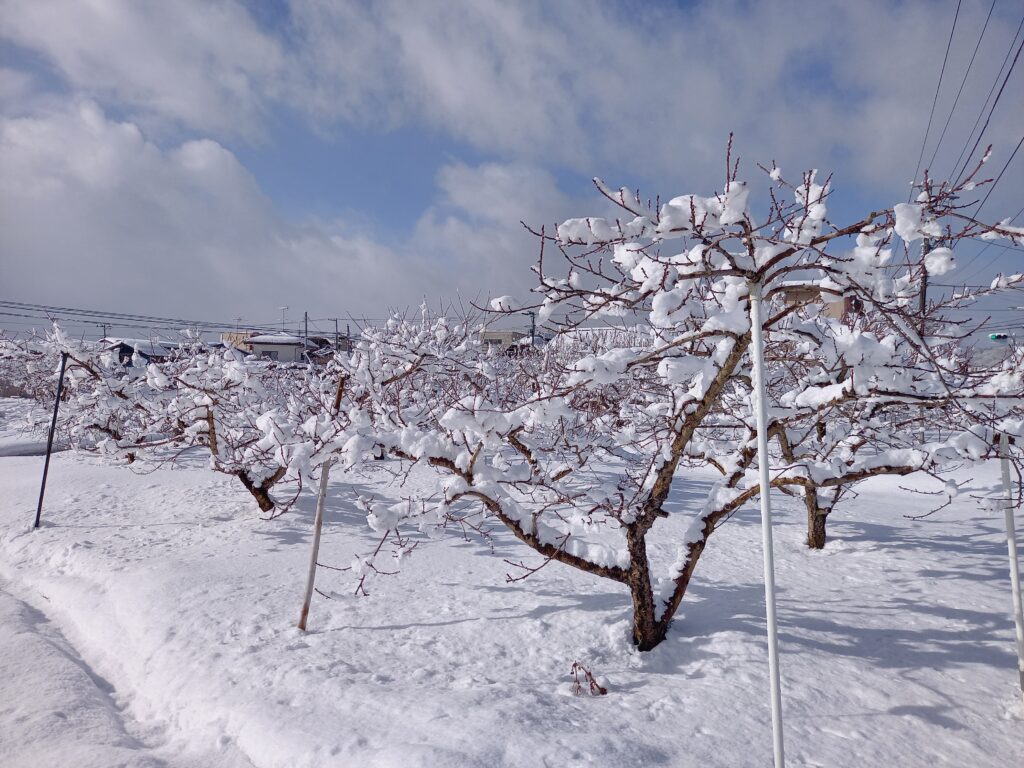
(151, 622)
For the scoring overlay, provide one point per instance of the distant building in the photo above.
(280, 347)
(834, 306)
(501, 340)
(285, 347)
(150, 350)
(238, 339)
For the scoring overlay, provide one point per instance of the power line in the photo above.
(935, 101)
(46, 312)
(996, 182)
(991, 111)
(991, 261)
(963, 82)
(991, 90)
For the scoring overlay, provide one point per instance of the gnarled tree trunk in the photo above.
(261, 491)
(817, 516)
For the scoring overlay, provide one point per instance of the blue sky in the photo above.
(221, 159)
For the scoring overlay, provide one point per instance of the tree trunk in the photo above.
(816, 519)
(647, 631)
(816, 531)
(261, 492)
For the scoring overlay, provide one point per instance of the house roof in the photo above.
(285, 339)
(145, 346)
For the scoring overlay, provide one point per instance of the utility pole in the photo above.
(922, 304)
(283, 310)
(533, 326)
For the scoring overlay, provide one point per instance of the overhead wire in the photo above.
(1002, 249)
(963, 82)
(935, 100)
(991, 111)
(1000, 176)
(991, 90)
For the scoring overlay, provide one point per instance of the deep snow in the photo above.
(150, 622)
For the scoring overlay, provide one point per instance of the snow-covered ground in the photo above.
(151, 622)
(15, 437)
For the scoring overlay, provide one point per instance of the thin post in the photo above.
(922, 307)
(49, 438)
(318, 524)
(318, 521)
(1011, 545)
(757, 339)
(533, 327)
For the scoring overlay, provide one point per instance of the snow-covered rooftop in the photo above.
(275, 338)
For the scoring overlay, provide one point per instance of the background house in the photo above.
(500, 340)
(150, 350)
(282, 347)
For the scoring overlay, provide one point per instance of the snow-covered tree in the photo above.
(260, 422)
(577, 449)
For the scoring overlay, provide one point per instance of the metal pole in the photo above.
(1011, 545)
(757, 339)
(922, 306)
(49, 439)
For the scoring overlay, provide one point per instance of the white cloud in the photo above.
(652, 88)
(15, 86)
(138, 215)
(97, 215)
(205, 66)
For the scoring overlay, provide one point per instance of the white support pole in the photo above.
(1011, 545)
(318, 524)
(757, 339)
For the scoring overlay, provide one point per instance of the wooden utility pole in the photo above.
(922, 302)
(533, 327)
(337, 335)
